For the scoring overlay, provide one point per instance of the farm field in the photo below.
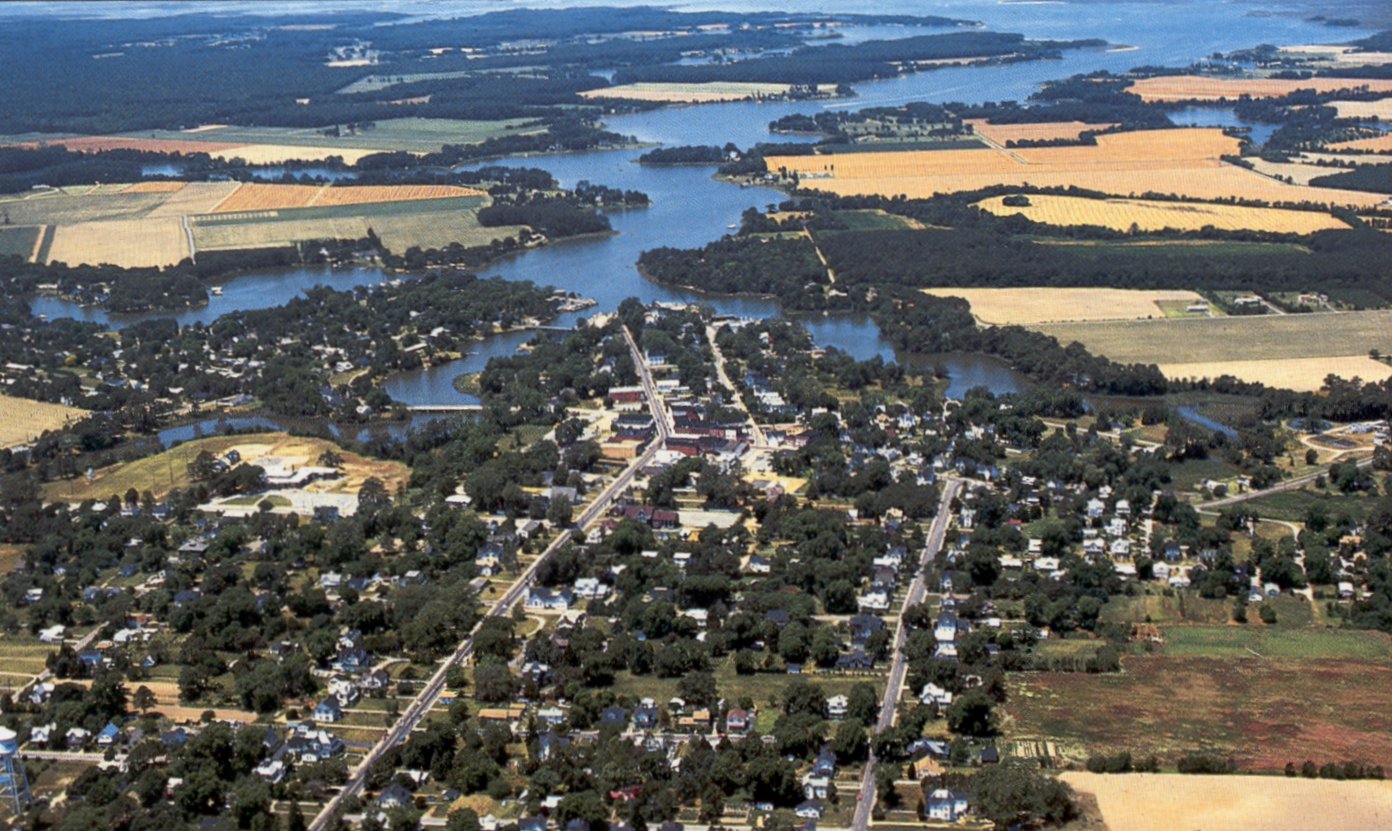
(17, 241)
(1122, 214)
(22, 420)
(273, 231)
(1036, 131)
(129, 243)
(1024, 306)
(412, 135)
(1169, 88)
(165, 471)
(1379, 144)
(1224, 641)
(1264, 712)
(1295, 350)
(1380, 109)
(697, 93)
(254, 196)
(1180, 162)
(1162, 802)
(1299, 374)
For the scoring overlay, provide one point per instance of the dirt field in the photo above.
(127, 243)
(1380, 109)
(1199, 88)
(1181, 162)
(164, 471)
(1121, 214)
(689, 93)
(22, 420)
(1263, 712)
(1025, 306)
(1140, 802)
(1299, 374)
(1039, 131)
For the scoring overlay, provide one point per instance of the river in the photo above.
(691, 209)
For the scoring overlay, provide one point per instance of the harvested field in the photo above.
(1151, 802)
(1025, 306)
(1263, 712)
(280, 153)
(254, 196)
(366, 194)
(1037, 131)
(1299, 374)
(1180, 162)
(1300, 174)
(689, 93)
(1379, 109)
(22, 420)
(274, 232)
(1122, 214)
(1169, 88)
(22, 242)
(60, 207)
(129, 243)
(1378, 144)
(436, 230)
(1247, 338)
(154, 187)
(98, 144)
(194, 198)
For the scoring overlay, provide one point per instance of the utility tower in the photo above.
(14, 785)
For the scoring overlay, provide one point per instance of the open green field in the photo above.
(1294, 506)
(1264, 712)
(1250, 338)
(873, 221)
(1160, 608)
(1276, 642)
(18, 242)
(413, 135)
(59, 207)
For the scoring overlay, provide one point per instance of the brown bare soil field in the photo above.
(129, 243)
(1262, 712)
(1200, 88)
(254, 196)
(367, 194)
(1121, 214)
(22, 420)
(1380, 109)
(1182, 162)
(1039, 131)
(1378, 144)
(1150, 802)
(1025, 306)
(154, 187)
(700, 93)
(1299, 374)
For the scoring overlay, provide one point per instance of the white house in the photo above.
(947, 806)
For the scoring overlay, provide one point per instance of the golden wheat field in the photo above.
(1378, 144)
(154, 187)
(281, 153)
(1380, 109)
(1169, 88)
(1025, 306)
(22, 420)
(367, 194)
(1122, 214)
(129, 243)
(702, 93)
(254, 196)
(1165, 802)
(1179, 162)
(1035, 131)
(1299, 374)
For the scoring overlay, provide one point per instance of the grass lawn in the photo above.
(1187, 475)
(1276, 642)
(1176, 607)
(765, 688)
(873, 220)
(1294, 506)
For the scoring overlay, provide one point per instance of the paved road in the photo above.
(1288, 485)
(899, 667)
(760, 441)
(430, 693)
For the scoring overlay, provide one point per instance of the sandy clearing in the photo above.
(1024, 306)
(1174, 802)
(129, 243)
(1201, 88)
(1299, 374)
(1121, 214)
(688, 93)
(22, 419)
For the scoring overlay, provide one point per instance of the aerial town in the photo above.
(618, 419)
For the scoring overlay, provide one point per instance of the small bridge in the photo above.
(446, 408)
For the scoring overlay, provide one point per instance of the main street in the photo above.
(430, 694)
(898, 666)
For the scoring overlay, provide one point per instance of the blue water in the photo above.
(1222, 117)
(1194, 416)
(219, 425)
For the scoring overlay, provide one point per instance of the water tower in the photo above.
(14, 786)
